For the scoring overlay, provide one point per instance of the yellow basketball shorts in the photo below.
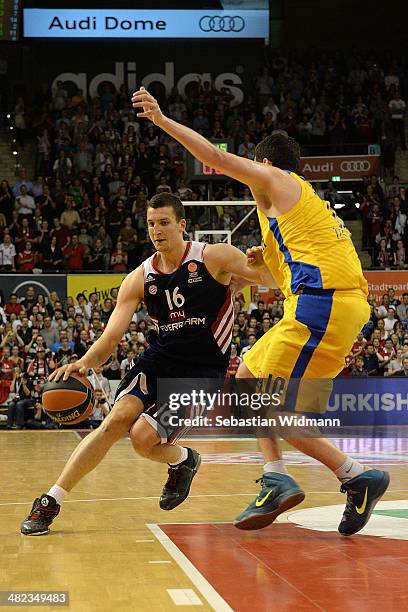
(314, 336)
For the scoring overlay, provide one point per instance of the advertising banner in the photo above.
(380, 281)
(42, 283)
(159, 24)
(347, 167)
(101, 284)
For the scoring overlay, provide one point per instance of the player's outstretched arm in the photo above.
(129, 296)
(256, 175)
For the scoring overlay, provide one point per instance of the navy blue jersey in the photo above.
(193, 312)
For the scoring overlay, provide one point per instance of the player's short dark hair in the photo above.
(168, 199)
(283, 151)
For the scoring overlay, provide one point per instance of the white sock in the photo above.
(183, 456)
(58, 493)
(275, 466)
(350, 469)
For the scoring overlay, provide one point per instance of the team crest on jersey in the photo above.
(153, 289)
(192, 267)
(150, 278)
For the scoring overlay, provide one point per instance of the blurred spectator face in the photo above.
(405, 363)
(241, 318)
(360, 362)
(370, 350)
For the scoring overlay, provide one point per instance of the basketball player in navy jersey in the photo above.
(185, 286)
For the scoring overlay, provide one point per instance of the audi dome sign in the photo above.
(347, 167)
(133, 23)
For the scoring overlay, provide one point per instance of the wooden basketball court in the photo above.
(113, 549)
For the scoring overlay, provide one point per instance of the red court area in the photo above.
(286, 568)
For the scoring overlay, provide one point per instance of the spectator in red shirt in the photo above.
(12, 306)
(359, 345)
(119, 258)
(234, 363)
(74, 254)
(26, 260)
(61, 233)
(6, 374)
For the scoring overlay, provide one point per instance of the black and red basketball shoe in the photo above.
(43, 512)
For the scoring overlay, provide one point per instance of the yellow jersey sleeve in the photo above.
(309, 246)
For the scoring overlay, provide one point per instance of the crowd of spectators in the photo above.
(97, 165)
(384, 212)
(37, 335)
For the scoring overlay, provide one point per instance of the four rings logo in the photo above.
(355, 166)
(220, 23)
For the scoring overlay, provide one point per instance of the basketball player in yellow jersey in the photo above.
(309, 252)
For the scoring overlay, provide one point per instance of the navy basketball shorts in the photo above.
(142, 381)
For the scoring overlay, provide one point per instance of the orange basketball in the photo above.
(68, 401)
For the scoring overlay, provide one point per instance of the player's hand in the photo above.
(65, 371)
(151, 109)
(255, 256)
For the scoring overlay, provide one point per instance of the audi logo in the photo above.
(221, 24)
(355, 166)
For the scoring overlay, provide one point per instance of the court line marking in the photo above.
(101, 499)
(202, 585)
(184, 597)
(145, 540)
(159, 561)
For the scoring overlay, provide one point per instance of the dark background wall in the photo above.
(344, 23)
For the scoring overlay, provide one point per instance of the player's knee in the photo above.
(143, 438)
(118, 422)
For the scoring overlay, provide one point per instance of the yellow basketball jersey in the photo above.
(309, 246)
